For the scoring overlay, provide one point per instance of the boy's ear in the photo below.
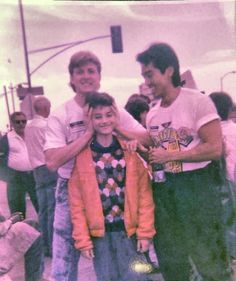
(169, 71)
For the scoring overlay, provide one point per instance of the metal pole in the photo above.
(7, 103)
(67, 44)
(12, 97)
(235, 24)
(25, 43)
(223, 77)
(221, 84)
(70, 45)
(26, 55)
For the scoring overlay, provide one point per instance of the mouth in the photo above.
(105, 127)
(86, 82)
(152, 89)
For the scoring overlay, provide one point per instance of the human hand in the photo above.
(143, 245)
(158, 155)
(133, 145)
(88, 254)
(16, 217)
(117, 116)
(88, 119)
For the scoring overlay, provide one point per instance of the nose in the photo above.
(104, 119)
(87, 75)
(147, 81)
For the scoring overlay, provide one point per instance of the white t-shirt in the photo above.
(18, 158)
(66, 124)
(180, 122)
(229, 137)
(35, 139)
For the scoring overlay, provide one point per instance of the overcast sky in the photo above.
(201, 32)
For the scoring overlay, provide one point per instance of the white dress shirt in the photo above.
(18, 158)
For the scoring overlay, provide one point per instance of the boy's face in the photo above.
(104, 120)
(158, 82)
(86, 78)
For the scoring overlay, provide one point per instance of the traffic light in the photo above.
(116, 39)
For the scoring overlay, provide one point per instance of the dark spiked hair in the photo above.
(161, 55)
(95, 99)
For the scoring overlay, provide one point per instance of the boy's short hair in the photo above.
(95, 99)
(81, 58)
(161, 55)
(223, 103)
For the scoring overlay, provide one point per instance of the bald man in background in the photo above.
(45, 179)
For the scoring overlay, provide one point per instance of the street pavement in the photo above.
(85, 266)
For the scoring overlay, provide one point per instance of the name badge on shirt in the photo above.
(75, 129)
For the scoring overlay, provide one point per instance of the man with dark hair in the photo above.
(224, 103)
(20, 177)
(186, 133)
(67, 134)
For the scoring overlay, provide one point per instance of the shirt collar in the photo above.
(36, 116)
(13, 132)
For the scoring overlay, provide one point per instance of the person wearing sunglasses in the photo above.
(14, 154)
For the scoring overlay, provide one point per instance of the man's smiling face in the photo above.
(86, 78)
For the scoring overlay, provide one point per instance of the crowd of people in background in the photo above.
(87, 167)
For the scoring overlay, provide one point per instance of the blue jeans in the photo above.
(116, 256)
(65, 256)
(45, 189)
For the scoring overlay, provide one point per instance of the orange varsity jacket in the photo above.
(86, 207)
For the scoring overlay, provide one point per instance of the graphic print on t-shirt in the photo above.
(165, 136)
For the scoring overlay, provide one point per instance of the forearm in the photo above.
(142, 136)
(202, 152)
(56, 157)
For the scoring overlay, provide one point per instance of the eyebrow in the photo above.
(146, 72)
(98, 113)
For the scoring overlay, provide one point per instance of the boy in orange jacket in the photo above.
(110, 198)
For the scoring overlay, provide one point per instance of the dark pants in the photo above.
(18, 185)
(45, 188)
(188, 219)
(116, 256)
(34, 258)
